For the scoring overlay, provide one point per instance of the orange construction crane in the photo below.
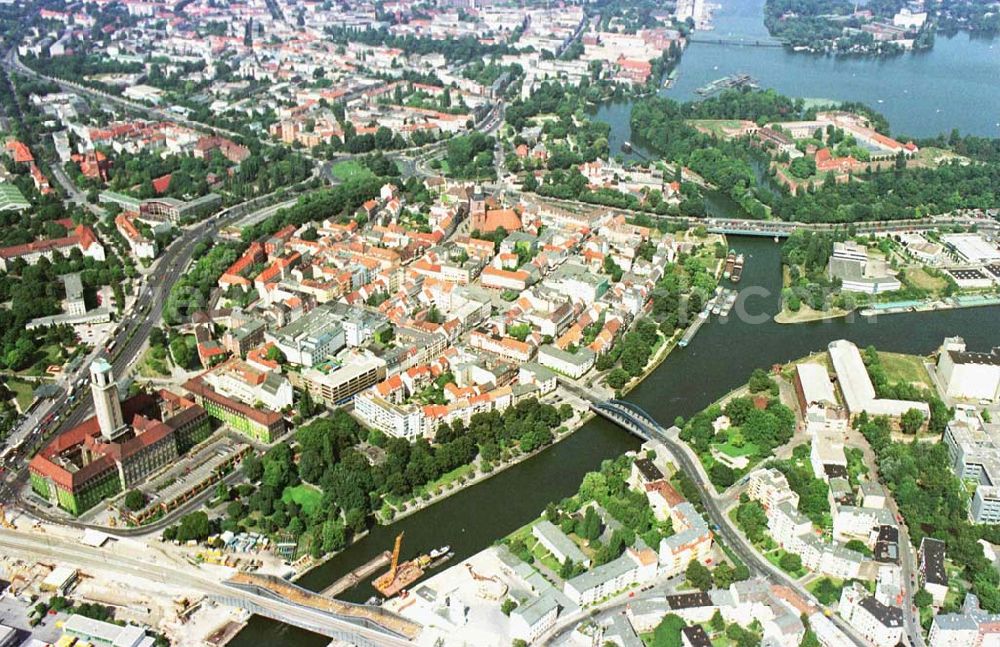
(395, 557)
(4, 523)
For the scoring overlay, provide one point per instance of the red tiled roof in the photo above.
(22, 154)
(161, 184)
(506, 218)
(88, 434)
(82, 236)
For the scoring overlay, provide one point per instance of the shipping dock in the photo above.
(355, 577)
(693, 329)
(738, 81)
(402, 575)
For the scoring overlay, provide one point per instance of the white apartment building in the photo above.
(574, 365)
(396, 420)
(633, 567)
(578, 282)
(531, 620)
(858, 390)
(881, 625)
(556, 542)
(769, 487)
(238, 380)
(693, 542)
(969, 375)
(972, 626)
(852, 522)
(974, 448)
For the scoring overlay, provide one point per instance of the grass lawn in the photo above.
(349, 169)
(715, 126)
(49, 354)
(855, 465)
(544, 557)
(775, 558)
(523, 533)
(827, 590)
(906, 368)
(307, 496)
(748, 449)
(154, 363)
(933, 157)
(22, 392)
(919, 277)
(445, 479)
(805, 313)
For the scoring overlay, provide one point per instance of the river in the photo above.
(923, 94)
(719, 359)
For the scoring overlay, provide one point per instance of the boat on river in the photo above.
(737, 269)
(729, 303)
(730, 262)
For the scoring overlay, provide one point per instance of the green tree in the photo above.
(698, 575)
(252, 468)
(194, 526)
(589, 527)
(306, 407)
(761, 381)
(922, 599)
(274, 354)
(722, 575)
(617, 378)
(135, 500)
(911, 421)
(566, 569)
(668, 632)
(790, 562)
(508, 605)
(810, 639)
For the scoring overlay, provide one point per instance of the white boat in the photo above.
(730, 302)
(438, 552)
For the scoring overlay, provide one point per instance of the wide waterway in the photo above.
(923, 94)
(719, 359)
(952, 86)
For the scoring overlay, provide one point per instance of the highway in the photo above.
(129, 340)
(156, 566)
(130, 336)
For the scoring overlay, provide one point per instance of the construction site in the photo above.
(26, 583)
(461, 604)
(401, 576)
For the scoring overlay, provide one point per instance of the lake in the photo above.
(954, 85)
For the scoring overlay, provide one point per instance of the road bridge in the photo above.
(766, 230)
(733, 40)
(264, 595)
(371, 625)
(636, 420)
